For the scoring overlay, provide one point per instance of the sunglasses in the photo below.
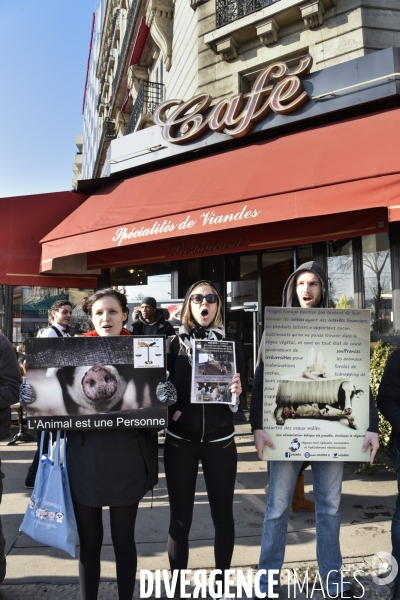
(198, 298)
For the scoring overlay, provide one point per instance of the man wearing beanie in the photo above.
(150, 320)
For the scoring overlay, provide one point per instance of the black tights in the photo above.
(219, 461)
(90, 529)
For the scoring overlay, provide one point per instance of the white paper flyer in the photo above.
(214, 364)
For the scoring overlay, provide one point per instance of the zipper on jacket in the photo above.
(204, 424)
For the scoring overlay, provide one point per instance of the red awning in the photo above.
(347, 166)
(24, 221)
(247, 239)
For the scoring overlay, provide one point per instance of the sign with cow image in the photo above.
(96, 382)
(316, 383)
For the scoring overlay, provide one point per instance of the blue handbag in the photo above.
(50, 517)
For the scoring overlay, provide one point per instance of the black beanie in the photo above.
(149, 300)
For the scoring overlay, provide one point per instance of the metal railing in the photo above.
(150, 96)
(231, 10)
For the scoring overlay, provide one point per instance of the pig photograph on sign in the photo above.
(96, 383)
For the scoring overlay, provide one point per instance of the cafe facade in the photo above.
(305, 166)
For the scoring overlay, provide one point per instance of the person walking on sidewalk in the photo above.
(200, 433)
(388, 402)
(307, 287)
(10, 381)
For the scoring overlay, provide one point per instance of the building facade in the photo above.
(154, 50)
(245, 202)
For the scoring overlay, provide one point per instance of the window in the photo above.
(157, 74)
(378, 281)
(277, 266)
(31, 306)
(139, 281)
(340, 274)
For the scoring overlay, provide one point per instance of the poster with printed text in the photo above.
(316, 383)
(96, 382)
(214, 364)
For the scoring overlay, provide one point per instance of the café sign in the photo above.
(277, 89)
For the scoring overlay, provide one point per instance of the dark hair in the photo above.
(187, 318)
(59, 304)
(87, 303)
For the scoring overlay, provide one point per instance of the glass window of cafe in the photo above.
(31, 309)
(378, 281)
(139, 281)
(340, 274)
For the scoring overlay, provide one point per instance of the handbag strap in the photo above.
(57, 449)
(65, 449)
(42, 443)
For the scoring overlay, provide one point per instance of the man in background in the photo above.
(61, 313)
(150, 320)
(10, 381)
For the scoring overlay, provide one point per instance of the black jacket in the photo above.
(197, 422)
(388, 399)
(10, 381)
(160, 326)
(289, 298)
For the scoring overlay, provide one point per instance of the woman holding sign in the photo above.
(200, 432)
(114, 468)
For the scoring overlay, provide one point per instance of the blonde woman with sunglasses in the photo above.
(200, 433)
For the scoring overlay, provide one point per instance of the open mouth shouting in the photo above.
(308, 300)
(204, 312)
(308, 289)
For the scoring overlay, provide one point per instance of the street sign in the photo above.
(250, 306)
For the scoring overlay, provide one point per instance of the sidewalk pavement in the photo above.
(38, 572)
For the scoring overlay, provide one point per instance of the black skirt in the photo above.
(111, 467)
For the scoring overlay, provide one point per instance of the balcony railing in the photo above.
(231, 10)
(150, 96)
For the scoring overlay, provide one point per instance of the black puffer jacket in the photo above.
(10, 381)
(161, 325)
(197, 422)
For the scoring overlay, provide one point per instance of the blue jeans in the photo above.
(327, 482)
(396, 522)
